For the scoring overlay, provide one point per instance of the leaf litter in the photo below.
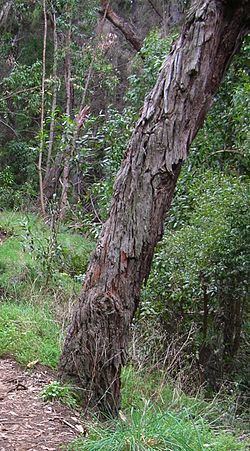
(27, 423)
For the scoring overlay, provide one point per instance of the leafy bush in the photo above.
(18, 175)
(200, 272)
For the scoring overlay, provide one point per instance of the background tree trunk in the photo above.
(4, 12)
(69, 108)
(41, 147)
(52, 177)
(96, 343)
(54, 94)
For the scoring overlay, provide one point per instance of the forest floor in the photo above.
(26, 421)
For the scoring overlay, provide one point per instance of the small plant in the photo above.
(44, 247)
(56, 391)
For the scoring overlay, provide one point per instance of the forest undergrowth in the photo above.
(156, 413)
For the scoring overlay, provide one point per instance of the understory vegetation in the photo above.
(186, 382)
(156, 412)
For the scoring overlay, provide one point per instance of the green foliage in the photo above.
(223, 142)
(110, 141)
(22, 87)
(204, 258)
(213, 239)
(21, 159)
(17, 175)
(6, 183)
(56, 391)
(76, 251)
(146, 70)
(45, 259)
(5, 44)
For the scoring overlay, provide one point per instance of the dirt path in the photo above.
(26, 422)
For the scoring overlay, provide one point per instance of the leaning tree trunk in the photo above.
(96, 342)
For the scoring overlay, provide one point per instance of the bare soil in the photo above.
(27, 423)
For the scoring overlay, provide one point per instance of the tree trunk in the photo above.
(96, 342)
(4, 13)
(54, 95)
(41, 147)
(67, 153)
(52, 177)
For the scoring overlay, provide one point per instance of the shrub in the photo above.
(200, 273)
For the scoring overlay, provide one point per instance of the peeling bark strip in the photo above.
(96, 343)
(126, 29)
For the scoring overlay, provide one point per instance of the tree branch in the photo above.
(122, 25)
(8, 126)
(155, 9)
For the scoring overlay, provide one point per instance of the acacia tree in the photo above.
(96, 343)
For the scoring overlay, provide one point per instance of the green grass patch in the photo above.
(139, 387)
(33, 257)
(29, 333)
(155, 416)
(13, 260)
(47, 270)
(152, 429)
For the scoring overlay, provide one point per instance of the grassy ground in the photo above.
(156, 416)
(38, 276)
(29, 333)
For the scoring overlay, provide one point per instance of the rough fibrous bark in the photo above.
(96, 342)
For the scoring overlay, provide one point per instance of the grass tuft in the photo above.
(153, 429)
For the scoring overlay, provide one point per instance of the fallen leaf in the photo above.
(79, 428)
(122, 417)
(32, 364)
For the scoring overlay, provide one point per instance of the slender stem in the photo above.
(66, 168)
(42, 112)
(9, 126)
(54, 98)
(155, 9)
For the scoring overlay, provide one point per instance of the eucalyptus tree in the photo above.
(96, 343)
